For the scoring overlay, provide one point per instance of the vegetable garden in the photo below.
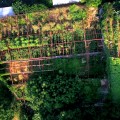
(55, 64)
(24, 40)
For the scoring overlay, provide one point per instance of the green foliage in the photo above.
(110, 28)
(37, 116)
(74, 114)
(116, 5)
(110, 31)
(6, 114)
(2, 44)
(93, 3)
(98, 67)
(108, 13)
(50, 94)
(37, 42)
(76, 66)
(69, 66)
(47, 3)
(82, 1)
(93, 46)
(114, 78)
(77, 13)
(37, 7)
(20, 7)
(6, 107)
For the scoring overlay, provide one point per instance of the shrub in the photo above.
(77, 13)
(19, 7)
(37, 7)
(93, 3)
(6, 110)
(82, 1)
(50, 95)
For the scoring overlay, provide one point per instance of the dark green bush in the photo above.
(19, 7)
(93, 3)
(77, 13)
(50, 95)
(82, 1)
(116, 5)
(71, 66)
(6, 106)
(37, 7)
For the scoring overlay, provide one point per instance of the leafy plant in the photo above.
(114, 66)
(19, 7)
(37, 7)
(52, 93)
(93, 3)
(93, 46)
(2, 45)
(77, 13)
(6, 105)
(7, 57)
(82, 1)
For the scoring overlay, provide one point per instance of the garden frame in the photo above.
(48, 45)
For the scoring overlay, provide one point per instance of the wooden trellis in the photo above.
(24, 50)
(23, 60)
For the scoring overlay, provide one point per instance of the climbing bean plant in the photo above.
(110, 24)
(110, 27)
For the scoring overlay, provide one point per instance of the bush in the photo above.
(37, 7)
(82, 1)
(6, 110)
(116, 5)
(69, 66)
(19, 7)
(77, 13)
(47, 3)
(50, 95)
(93, 3)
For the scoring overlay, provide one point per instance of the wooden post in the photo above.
(87, 52)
